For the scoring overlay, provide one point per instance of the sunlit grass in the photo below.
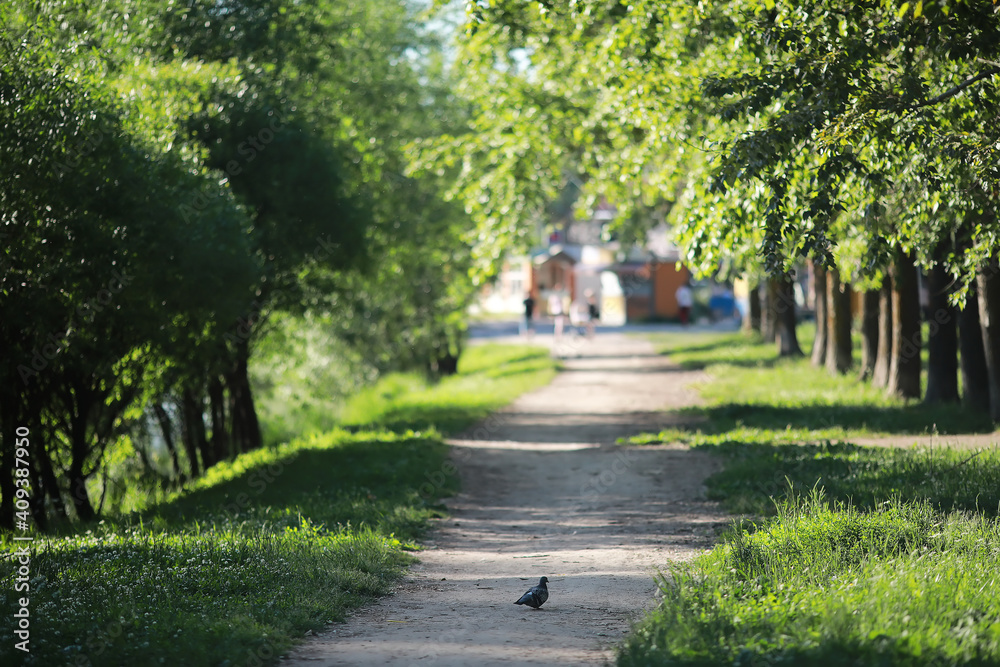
(489, 376)
(890, 558)
(750, 386)
(898, 585)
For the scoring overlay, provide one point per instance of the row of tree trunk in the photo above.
(91, 423)
(960, 341)
(232, 429)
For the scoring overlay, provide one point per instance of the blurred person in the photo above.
(557, 312)
(685, 300)
(578, 317)
(593, 312)
(528, 326)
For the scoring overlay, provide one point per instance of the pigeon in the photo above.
(536, 595)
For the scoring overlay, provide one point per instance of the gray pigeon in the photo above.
(536, 595)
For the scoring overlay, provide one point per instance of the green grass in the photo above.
(750, 386)
(757, 474)
(899, 585)
(762, 463)
(796, 423)
(262, 549)
(490, 376)
(889, 560)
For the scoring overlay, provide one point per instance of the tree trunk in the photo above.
(217, 407)
(78, 493)
(769, 314)
(819, 302)
(883, 359)
(972, 358)
(444, 358)
(942, 340)
(79, 404)
(904, 367)
(839, 352)
(167, 429)
(8, 434)
(988, 288)
(36, 502)
(869, 333)
(194, 426)
(50, 483)
(189, 435)
(246, 427)
(752, 322)
(785, 318)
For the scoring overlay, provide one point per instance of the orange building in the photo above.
(650, 289)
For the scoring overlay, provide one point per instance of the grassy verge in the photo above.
(491, 376)
(265, 548)
(888, 559)
(750, 386)
(766, 466)
(899, 585)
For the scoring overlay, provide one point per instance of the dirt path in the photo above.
(546, 492)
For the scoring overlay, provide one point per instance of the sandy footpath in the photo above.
(547, 492)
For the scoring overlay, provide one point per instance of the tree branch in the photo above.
(959, 88)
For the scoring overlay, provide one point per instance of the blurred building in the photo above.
(635, 283)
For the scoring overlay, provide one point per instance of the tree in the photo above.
(972, 358)
(820, 121)
(904, 365)
(752, 321)
(838, 317)
(769, 311)
(221, 188)
(819, 273)
(988, 285)
(786, 321)
(883, 359)
(942, 339)
(100, 264)
(870, 332)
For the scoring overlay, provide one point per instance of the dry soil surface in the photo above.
(546, 491)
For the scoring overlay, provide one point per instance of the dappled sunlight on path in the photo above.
(546, 491)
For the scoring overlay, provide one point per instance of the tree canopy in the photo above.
(174, 173)
(772, 129)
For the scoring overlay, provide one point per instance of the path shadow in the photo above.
(582, 367)
(651, 357)
(573, 427)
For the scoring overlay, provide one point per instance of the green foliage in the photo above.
(307, 380)
(230, 161)
(101, 267)
(302, 373)
(899, 585)
(763, 131)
